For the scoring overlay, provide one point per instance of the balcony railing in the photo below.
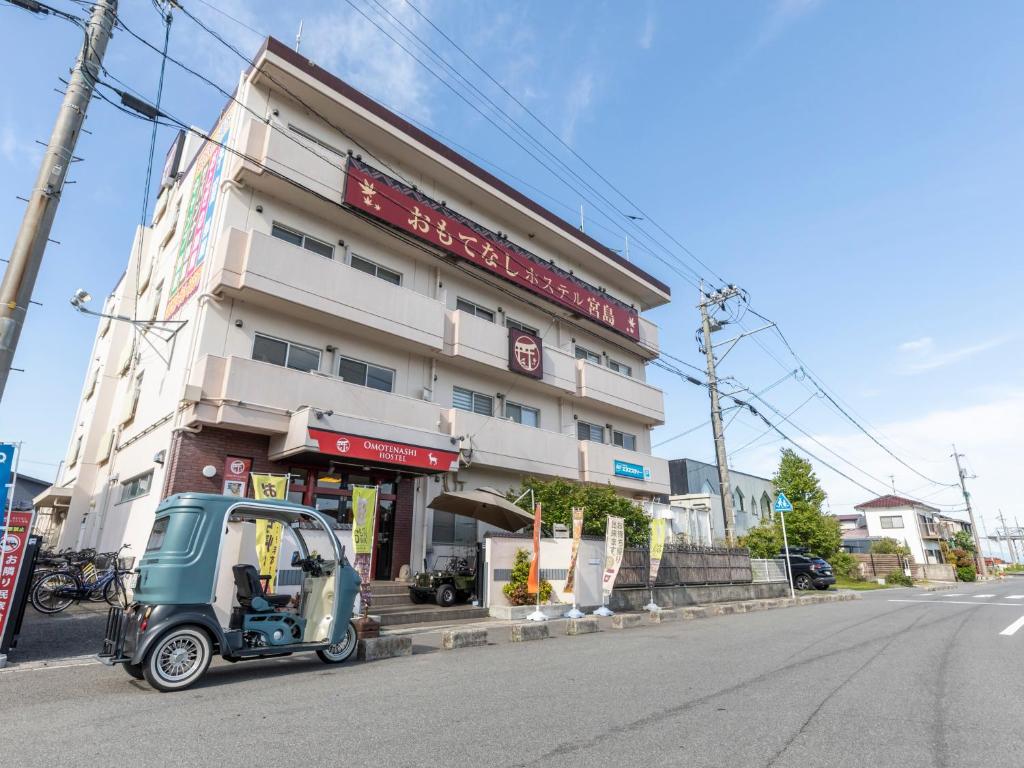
(622, 392)
(602, 463)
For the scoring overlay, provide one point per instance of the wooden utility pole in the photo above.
(962, 473)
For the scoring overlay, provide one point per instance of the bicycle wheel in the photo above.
(114, 593)
(55, 592)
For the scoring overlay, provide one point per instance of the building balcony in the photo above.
(930, 531)
(471, 339)
(262, 269)
(501, 443)
(639, 473)
(253, 396)
(622, 393)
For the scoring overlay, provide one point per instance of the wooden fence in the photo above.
(681, 565)
(880, 566)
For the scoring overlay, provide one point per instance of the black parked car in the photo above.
(809, 570)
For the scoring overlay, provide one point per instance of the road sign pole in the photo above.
(789, 566)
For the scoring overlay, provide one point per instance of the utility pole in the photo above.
(27, 254)
(962, 473)
(1010, 545)
(721, 457)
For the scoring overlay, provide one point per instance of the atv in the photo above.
(453, 582)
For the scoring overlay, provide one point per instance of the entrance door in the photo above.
(385, 540)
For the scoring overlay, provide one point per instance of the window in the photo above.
(131, 403)
(582, 353)
(516, 325)
(388, 275)
(624, 440)
(93, 379)
(625, 370)
(738, 500)
(106, 443)
(474, 309)
(592, 432)
(522, 414)
(766, 505)
(453, 529)
(467, 400)
(270, 350)
(154, 303)
(314, 139)
(303, 241)
(366, 375)
(76, 451)
(136, 487)
(156, 536)
(894, 521)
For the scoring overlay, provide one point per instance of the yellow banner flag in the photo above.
(268, 533)
(364, 513)
(659, 532)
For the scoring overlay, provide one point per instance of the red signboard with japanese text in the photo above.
(525, 354)
(13, 543)
(236, 476)
(383, 451)
(390, 201)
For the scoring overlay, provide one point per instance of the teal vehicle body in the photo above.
(198, 591)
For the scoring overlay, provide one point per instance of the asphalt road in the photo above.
(899, 678)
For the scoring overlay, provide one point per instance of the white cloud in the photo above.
(784, 14)
(921, 355)
(581, 95)
(647, 35)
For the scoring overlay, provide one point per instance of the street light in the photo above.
(164, 330)
(80, 297)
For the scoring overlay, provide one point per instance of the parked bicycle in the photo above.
(54, 591)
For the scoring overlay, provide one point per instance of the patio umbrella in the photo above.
(485, 505)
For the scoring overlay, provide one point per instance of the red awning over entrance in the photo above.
(378, 451)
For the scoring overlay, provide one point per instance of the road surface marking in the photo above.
(1010, 630)
(954, 594)
(1015, 597)
(978, 596)
(953, 602)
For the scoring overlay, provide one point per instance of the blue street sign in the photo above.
(632, 471)
(782, 504)
(6, 467)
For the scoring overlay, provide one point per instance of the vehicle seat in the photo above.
(250, 592)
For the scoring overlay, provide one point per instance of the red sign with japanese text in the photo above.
(388, 200)
(236, 476)
(12, 554)
(525, 354)
(383, 451)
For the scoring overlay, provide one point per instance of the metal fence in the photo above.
(768, 569)
(682, 565)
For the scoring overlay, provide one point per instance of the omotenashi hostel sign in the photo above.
(390, 201)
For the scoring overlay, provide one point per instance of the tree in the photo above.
(962, 540)
(763, 541)
(557, 498)
(889, 546)
(806, 526)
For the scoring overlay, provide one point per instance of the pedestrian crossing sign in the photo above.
(782, 504)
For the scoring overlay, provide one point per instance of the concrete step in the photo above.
(390, 587)
(421, 614)
(402, 599)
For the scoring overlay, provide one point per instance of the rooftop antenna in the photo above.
(298, 37)
(892, 481)
(581, 218)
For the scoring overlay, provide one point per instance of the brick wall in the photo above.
(402, 547)
(191, 452)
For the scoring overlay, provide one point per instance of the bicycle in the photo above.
(57, 590)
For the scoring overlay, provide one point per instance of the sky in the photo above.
(855, 167)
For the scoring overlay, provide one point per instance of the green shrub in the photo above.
(846, 565)
(889, 546)
(899, 577)
(516, 591)
(966, 573)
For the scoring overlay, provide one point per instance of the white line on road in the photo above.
(1015, 597)
(954, 594)
(984, 596)
(954, 602)
(1010, 630)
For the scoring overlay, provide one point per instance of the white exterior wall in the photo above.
(296, 295)
(909, 534)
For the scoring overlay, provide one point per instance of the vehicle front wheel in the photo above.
(133, 670)
(446, 595)
(178, 659)
(803, 581)
(343, 650)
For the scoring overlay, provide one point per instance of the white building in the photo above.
(919, 526)
(356, 303)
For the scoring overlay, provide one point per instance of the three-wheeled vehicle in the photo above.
(198, 591)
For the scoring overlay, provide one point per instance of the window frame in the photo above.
(581, 423)
(883, 519)
(287, 354)
(522, 408)
(136, 482)
(303, 237)
(377, 268)
(520, 326)
(366, 373)
(475, 309)
(618, 367)
(588, 354)
(622, 435)
(473, 395)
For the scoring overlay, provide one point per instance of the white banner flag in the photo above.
(614, 545)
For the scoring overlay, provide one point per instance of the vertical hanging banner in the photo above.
(614, 546)
(577, 534)
(268, 533)
(659, 529)
(6, 470)
(13, 544)
(364, 519)
(533, 581)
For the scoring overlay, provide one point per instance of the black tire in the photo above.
(803, 582)
(341, 652)
(114, 593)
(134, 670)
(178, 659)
(416, 597)
(51, 594)
(446, 595)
